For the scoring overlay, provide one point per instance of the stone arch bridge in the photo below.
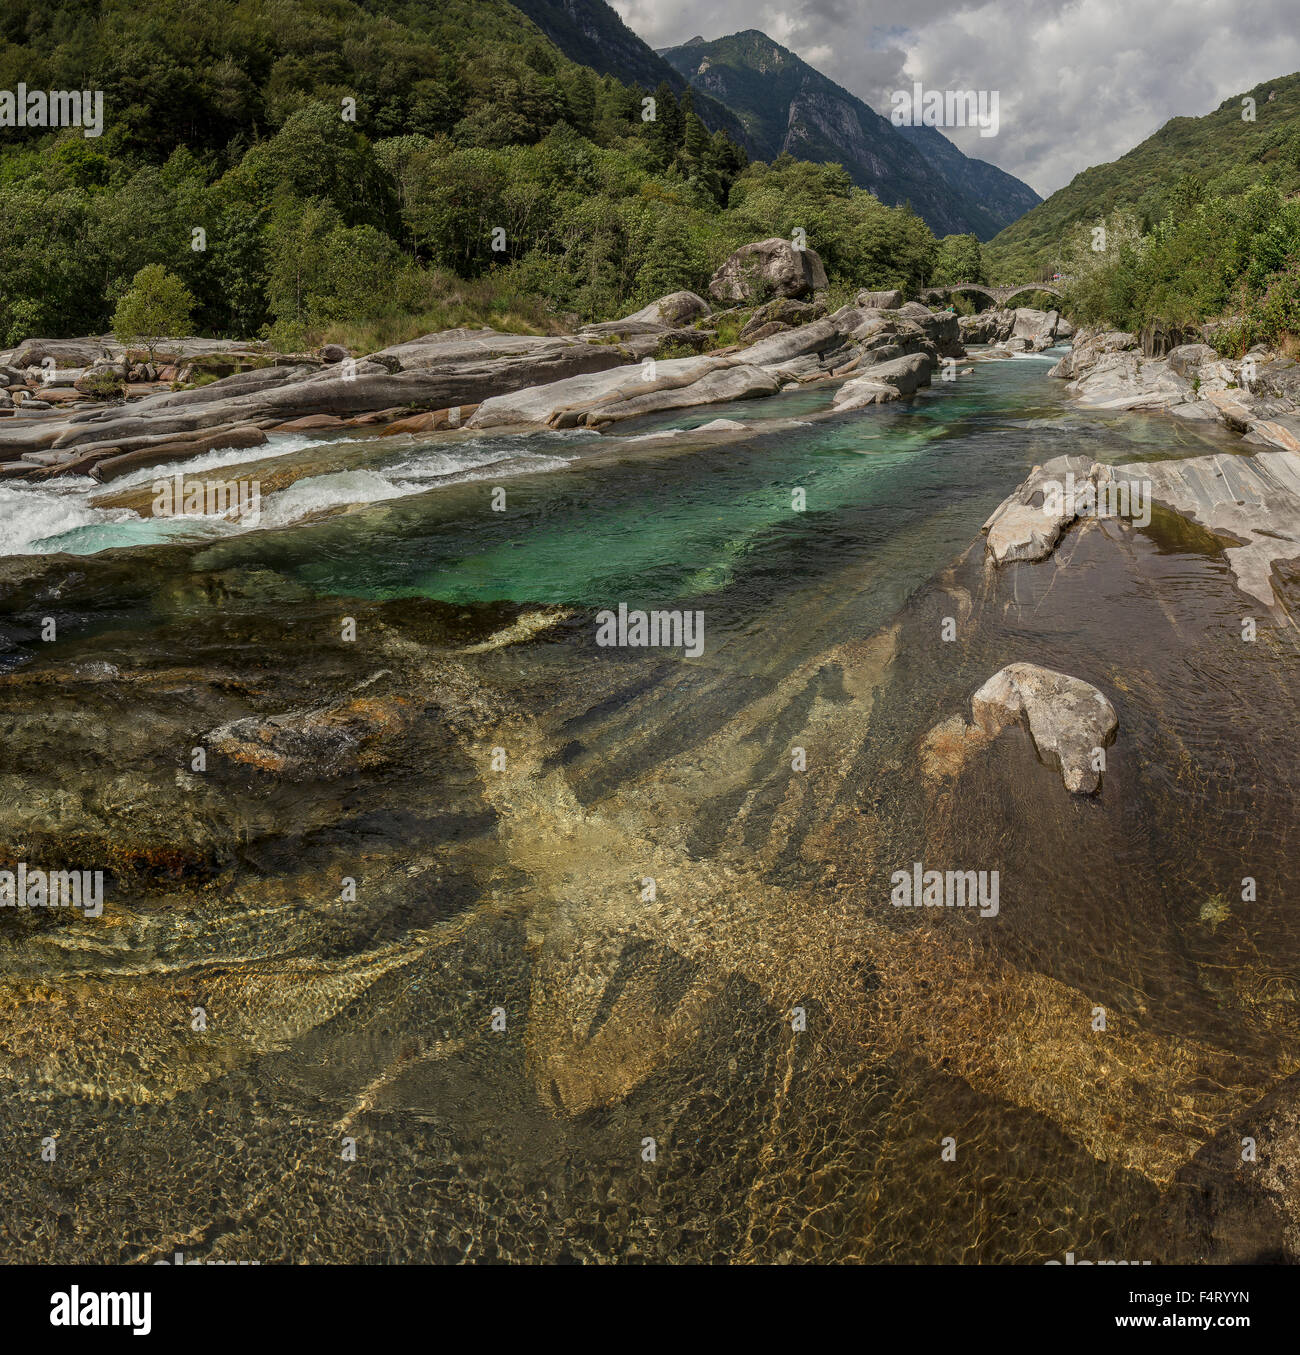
(999, 295)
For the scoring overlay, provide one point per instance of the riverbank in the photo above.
(1250, 502)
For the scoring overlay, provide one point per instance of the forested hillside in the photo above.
(1199, 222)
(486, 176)
(591, 33)
(1218, 155)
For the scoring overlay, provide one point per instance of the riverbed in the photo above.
(533, 948)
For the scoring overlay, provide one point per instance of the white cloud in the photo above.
(1080, 81)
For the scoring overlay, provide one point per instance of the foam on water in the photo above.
(31, 515)
(277, 445)
(56, 515)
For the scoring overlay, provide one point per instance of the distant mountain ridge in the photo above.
(785, 105)
(592, 34)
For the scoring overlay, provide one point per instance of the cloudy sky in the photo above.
(1079, 81)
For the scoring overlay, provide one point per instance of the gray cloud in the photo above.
(1080, 81)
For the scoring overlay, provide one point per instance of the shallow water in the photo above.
(597, 901)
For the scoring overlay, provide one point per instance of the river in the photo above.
(531, 948)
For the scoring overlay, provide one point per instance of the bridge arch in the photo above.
(999, 295)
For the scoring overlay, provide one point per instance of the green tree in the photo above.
(156, 307)
(674, 262)
(959, 260)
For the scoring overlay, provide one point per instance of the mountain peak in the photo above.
(787, 105)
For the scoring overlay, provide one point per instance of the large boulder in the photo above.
(1089, 346)
(942, 328)
(1127, 380)
(768, 268)
(885, 381)
(879, 301)
(1031, 323)
(1069, 720)
(991, 326)
(626, 392)
(1033, 330)
(668, 313)
(673, 310)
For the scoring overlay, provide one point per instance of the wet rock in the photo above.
(884, 381)
(442, 371)
(111, 467)
(303, 745)
(1028, 523)
(721, 426)
(433, 419)
(1251, 501)
(767, 268)
(1069, 720)
(311, 423)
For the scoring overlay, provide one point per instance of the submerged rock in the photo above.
(1069, 720)
(308, 744)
